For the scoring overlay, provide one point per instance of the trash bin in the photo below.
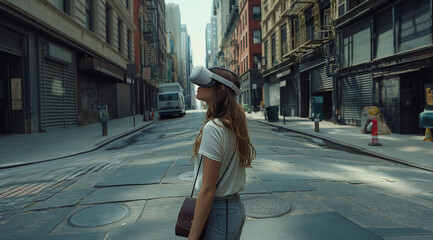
(272, 112)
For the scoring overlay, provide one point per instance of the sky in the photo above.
(195, 14)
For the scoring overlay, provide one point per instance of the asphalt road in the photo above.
(298, 188)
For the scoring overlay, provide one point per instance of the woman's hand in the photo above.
(205, 196)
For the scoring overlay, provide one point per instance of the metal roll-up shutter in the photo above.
(319, 81)
(357, 92)
(57, 92)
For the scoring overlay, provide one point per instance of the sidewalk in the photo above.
(23, 149)
(403, 148)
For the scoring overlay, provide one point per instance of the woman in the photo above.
(225, 146)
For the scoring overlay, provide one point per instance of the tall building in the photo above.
(250, 52)
(384, 59)
(186, 63)
(172, 66)
(294, 36)
(183, 56)
(221, 11)
(352, 54)
(61, 59)
(208, 39)
(212, 41)
(240, 49)
(173, 27)
(150, 57)
(214, 48)
(191, 87)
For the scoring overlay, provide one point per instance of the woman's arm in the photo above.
(205, 196)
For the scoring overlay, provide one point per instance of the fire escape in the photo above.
(303, 36)
(150, 34)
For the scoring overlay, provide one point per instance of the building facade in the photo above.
(297, 38)
(385, 59)
(381, 57)
(60, 60)
(150, 52)
(211, 37)
(250, 52)
(208, 39)
(173, 29)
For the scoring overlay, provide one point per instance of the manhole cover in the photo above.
(186, 176)
(99, 215)
(265, 207)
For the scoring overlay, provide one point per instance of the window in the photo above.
(383, 34)
(265, 56)
(246, 39)
(257, 36)
(128, 44)
(90, 15)
(257, 13)
(274, 50)
(257, 58)
(353, 3)
(119, 35)
(284, 45)
(168, 97)
(62, 5)
(295, 39)
(108, 28)
(341, 7)
(309, 18)
(356, 44)
(247, 62)
(413, 22)
(127, 4)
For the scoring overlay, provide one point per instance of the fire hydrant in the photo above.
(374, 136)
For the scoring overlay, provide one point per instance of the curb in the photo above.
(351, 147)
(96, 147)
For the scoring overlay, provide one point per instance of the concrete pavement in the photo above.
(332, 194)
(407, 149)
(23, 149)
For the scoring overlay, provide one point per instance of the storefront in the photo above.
(13, 101)
(57, 86)
(101, 83)
(19, 108)
(289, 90)
(316, 82)
(251, 88)
(399, 93)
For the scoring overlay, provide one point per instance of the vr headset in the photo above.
(205, 78)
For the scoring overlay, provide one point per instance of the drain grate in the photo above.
(266, 207)
(99, 215)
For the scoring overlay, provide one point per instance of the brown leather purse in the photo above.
(186, 212)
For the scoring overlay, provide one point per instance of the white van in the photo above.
(170, 104)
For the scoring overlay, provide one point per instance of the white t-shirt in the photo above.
(218, 143)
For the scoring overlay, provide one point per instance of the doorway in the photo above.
(411, 100)
(11, 94)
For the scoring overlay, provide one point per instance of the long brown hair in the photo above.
(230, 112)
